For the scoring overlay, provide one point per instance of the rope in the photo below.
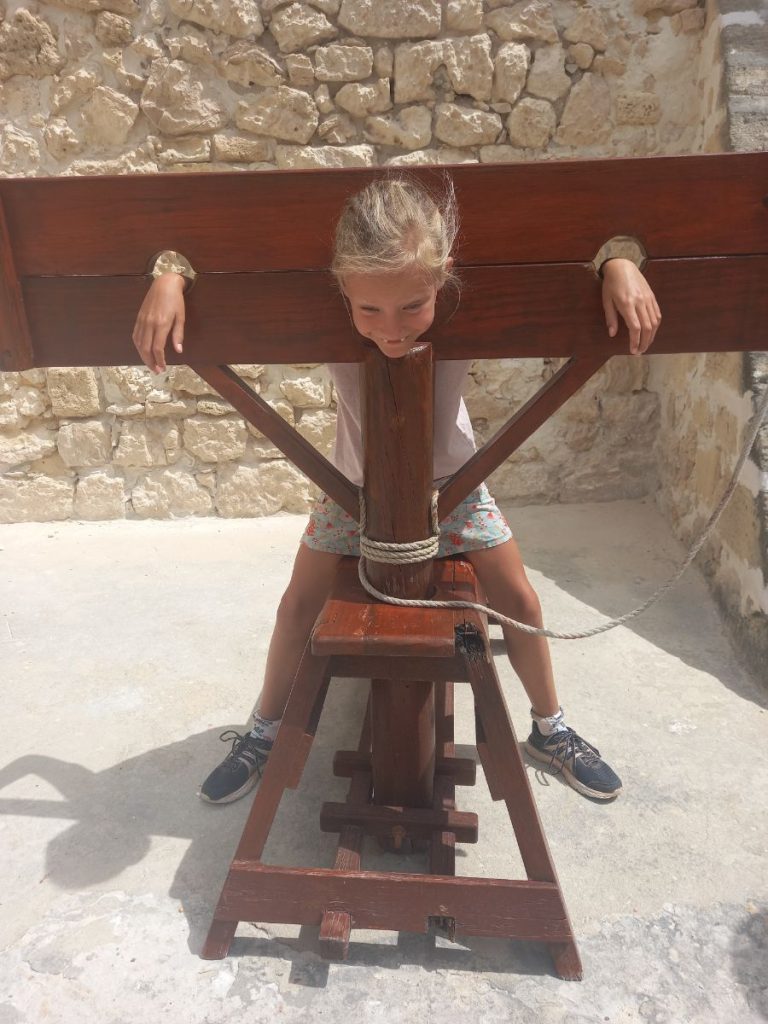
(380, 551)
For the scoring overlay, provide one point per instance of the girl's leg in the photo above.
(501, 574)
(302, 602)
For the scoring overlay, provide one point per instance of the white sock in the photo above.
(550, 723)
(265, 728)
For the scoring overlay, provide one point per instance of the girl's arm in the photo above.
(163, 310)
(626, 291)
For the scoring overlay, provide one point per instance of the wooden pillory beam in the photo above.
(74, 253)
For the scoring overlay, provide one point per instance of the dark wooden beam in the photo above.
(517, 311)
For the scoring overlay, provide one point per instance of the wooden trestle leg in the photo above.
(354, 639)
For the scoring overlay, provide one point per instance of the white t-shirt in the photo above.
(454, 440)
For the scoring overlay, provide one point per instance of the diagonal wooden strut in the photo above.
(536, 411)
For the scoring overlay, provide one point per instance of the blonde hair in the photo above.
(393, 223)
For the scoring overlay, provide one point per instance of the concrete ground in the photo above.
(128, 647)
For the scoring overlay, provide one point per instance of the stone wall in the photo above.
(111, 86)
(706, 401)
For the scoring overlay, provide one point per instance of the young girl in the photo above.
(391, 258)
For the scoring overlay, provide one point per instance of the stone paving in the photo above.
(127, 647)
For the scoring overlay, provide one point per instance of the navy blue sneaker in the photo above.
(582, 767)
(240, 770)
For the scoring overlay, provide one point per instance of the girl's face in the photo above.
(392, 310)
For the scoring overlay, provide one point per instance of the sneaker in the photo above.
(240, 770)
(565, 751)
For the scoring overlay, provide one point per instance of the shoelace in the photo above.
(241, 750)
(571, 745)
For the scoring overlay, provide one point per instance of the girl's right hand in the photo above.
(161, 313)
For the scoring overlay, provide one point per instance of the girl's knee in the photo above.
(297, 607)
(524, 605)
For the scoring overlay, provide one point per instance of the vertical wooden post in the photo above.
(397, 422)
(15, 340)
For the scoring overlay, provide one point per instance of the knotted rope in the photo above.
(419, 551)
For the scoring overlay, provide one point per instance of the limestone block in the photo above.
(177, 100)
(426, 157)
(109, 116)
(638, 108)
(531, 124)
(547, 78)
(462, 126)
(175, 408)
(126, 383)
(61, 140)
(329, 7)
(9, 381)
(298, 26)
(232, 148)
(411, 128)
(588, 27)
(213, 405)
(383, 61)
(112, 29)
(300, 70)
(318, 426)
(215, 440)
(581, 54)
(166, 493)
(282, 113)
(19, 151)
(182, 150)
(146, 444)
(531, 19)
(181, 378)
(68, 88)
(288, 157)
(337, 129)
(190, 44)
(500, 154)
(391, 19)
(469, 66)
(415, 67)
(251, 371)
(647, 7)
(26, 446)
(323, 99)
(10, 417)
(693, 20)
(88, 443)
(247, 64)
(35, 499)
(522, 481)
(128, 7)
(74, 391)
(262, 490)
(36, 377)
(125, 410)
(586, 119)
(464, 15)
(307, 390)
(338, 63)
(114, 58)
(467, 62)
(363, 100)
(239, 18)
(99, 496)
(608, 65)
(28, 47)
(510, 70)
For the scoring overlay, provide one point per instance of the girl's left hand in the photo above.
(626, 291)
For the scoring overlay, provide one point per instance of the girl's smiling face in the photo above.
(393, 310)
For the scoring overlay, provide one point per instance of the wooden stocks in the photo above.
(397, 422)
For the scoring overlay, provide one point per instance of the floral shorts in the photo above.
(475, 523)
